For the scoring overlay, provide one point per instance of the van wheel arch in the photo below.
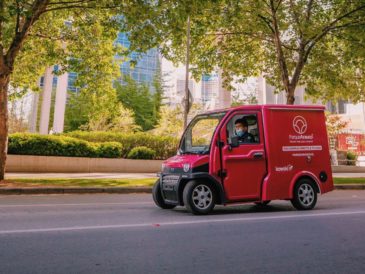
(315, 184)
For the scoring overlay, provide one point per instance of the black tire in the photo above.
(264, 203)
(199, 205)
(305, 195)
(157, 197)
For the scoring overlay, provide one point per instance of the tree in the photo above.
(77, 111)
(334, 125)
(141, 101)
(40, 33)
(318, 44)
(159, 86)
(17, 122)
(122, 120)
(171, 122)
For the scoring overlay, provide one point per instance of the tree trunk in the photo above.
(290, 98)
(4, 83)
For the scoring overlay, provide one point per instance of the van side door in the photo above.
(243, 163)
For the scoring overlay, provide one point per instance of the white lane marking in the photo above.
(80, 204)
(211, 221)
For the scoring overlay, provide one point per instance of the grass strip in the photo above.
(343, 181)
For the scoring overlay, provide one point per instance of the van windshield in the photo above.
(198, 135)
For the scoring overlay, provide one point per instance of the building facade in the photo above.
(48, 108)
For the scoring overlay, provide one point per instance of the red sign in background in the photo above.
(351, 142)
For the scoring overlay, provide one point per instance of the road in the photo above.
(104, 233)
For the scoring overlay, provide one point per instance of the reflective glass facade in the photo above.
(148, 64)
(209, 87)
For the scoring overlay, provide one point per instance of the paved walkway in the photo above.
(349, 175)
(81, 175)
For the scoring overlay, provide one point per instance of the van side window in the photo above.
(245, 127)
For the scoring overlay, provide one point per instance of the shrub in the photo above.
(55, 145)
(110, 150)
(164, 146)
(91, 144)
(141, 153)
(351, 157)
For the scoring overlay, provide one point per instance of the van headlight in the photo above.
(186, 167)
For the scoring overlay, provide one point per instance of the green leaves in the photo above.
(321, 43)
(139, 99)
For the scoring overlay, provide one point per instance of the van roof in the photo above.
(269, 106)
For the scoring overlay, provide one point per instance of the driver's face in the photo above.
(240, 127)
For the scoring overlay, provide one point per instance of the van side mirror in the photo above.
(233, 141)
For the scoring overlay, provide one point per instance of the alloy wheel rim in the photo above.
(306, 194)
(202, 196)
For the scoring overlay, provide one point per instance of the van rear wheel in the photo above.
(305, 195)
(199, 197)
(157, 197)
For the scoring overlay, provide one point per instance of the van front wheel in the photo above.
(305, 195)
(199, 197)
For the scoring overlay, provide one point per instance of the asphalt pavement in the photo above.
(108, 233)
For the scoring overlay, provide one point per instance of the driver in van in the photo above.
(241, 130)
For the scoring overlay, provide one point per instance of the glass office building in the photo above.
(53, 107)
(148, 64)
(209, 87)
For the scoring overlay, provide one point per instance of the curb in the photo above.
(117, 190)
(350, 187)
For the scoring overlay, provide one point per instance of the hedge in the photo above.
(141, 153)
(164, 146)
(94, 144)
(54, 145)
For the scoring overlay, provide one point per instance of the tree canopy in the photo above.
(144, 103)
(76, 34)
(315, 43)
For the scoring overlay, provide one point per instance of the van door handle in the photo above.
(258, 155)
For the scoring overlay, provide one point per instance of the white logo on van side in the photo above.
(284, 168)
(299, 124)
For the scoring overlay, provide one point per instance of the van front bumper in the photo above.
(169, 187)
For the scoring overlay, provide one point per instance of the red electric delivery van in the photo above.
(286, 157)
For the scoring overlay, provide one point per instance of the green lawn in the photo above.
(59, 182)
(349, 180)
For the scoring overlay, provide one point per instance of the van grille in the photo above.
(170, 180)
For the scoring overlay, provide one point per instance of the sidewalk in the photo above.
(80, 175)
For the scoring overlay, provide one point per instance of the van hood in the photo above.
(185, 163)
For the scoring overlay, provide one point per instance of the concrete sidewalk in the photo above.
(80, 175)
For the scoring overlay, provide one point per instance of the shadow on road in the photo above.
(242, 209)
